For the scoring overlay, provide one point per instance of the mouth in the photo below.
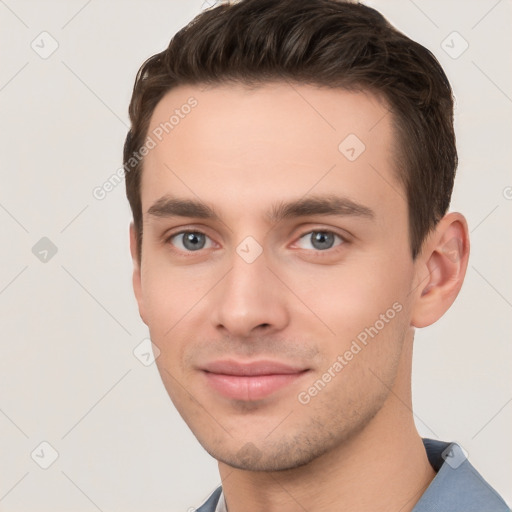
(250, 381)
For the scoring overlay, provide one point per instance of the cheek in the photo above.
(169, 293)
(351, 297)
(175, 311)
(165, 306)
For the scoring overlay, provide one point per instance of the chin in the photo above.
(271, 457)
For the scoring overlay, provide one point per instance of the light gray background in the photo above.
(69, 326)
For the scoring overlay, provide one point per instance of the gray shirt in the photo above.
(457, 486)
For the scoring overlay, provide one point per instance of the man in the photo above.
(289, 168)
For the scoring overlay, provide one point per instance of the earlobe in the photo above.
(441, 269)
(136, 276)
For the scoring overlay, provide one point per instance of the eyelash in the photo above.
(325, 231)
(344, 240)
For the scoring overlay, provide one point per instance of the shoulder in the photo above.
(457, 485)
(211, 503)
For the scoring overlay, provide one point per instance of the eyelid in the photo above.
(179, 230)
(344, 235)
(338, 243)
(171, 233)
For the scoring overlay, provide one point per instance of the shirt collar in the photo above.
(456, 486)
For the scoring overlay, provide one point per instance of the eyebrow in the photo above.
(319, 205)
(174, 207)
(168, 206)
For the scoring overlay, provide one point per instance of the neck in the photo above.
(384, 467)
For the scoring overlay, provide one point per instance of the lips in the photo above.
(250, 381)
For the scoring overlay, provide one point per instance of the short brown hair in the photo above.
(331, 43)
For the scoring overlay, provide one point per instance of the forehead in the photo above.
(324, 113)
(230, 141)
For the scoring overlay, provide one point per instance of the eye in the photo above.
(190, 241)
(319, 240)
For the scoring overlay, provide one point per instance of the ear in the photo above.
(441, 267)
(136, 277)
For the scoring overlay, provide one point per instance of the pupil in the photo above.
(322, 240)
(193, 241)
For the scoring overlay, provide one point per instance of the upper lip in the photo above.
(251, 368)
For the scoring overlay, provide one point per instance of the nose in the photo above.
(249, 300)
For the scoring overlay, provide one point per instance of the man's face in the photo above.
(282, 310)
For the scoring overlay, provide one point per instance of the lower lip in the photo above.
(250, 388)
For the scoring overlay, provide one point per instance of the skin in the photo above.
(242, 152)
